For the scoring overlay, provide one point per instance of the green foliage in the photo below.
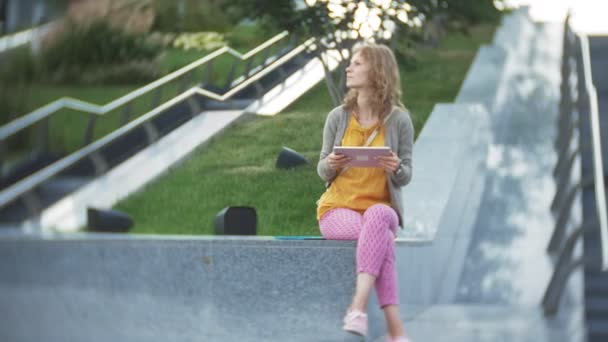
(191, 16)
(86, 54)
(243, 23)
(167, 18)
(475, 11)
(200, 41)
(273, 16)
(96, 44)
(18, 65)
(469, 12)
(247, 36)
(161, 39)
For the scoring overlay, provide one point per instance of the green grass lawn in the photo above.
(238, 166)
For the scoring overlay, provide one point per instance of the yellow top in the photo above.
(357, 188)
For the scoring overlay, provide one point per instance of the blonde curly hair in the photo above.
(384, 78)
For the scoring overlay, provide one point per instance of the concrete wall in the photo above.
(96, 287)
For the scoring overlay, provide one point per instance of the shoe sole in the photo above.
(354, 332)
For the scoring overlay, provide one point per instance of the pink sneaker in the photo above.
(355, 322)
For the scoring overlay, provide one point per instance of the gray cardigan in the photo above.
(399, 137)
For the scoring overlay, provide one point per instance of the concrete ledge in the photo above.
(86, 289)
(454, 138)
(102, 287)
(483, 77)
(442, 201)
(513, 27)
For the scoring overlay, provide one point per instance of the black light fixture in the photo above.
(108, 221)
(236, 221)
(289, 159)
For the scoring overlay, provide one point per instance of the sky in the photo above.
(588, 16)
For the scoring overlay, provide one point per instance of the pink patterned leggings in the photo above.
(374, 232)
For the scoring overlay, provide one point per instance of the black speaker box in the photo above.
(112, 221)
(289, 159)
(236, 221)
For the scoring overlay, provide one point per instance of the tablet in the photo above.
(363, 156)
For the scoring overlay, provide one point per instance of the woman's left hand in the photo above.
(390, 163)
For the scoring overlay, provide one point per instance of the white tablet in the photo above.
(363, 156)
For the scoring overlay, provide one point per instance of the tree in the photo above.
(439, 14)
(278, 14)
(338, 25)
(191, 16)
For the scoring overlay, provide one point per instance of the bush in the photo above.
(475, 11)
(96, 44)
(278, 16)
(92, 54)
(161, 39)
(197, 16)
(19, 65)
(199, 41)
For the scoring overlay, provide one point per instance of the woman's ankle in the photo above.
(357, 306)
(396, 331)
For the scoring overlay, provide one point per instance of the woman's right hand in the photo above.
(337, 161)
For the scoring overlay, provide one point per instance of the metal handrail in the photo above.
(70, 103)
(15, 39)
(598, 172)
(566, 264)
(23, 186)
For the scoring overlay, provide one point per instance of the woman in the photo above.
(364, 204)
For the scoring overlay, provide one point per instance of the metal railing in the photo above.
(576, 104)
(67, 102)
(24, 188)
(14, 40)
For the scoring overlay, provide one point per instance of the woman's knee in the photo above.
(382, 213)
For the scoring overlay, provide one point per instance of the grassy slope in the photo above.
(237, 167)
